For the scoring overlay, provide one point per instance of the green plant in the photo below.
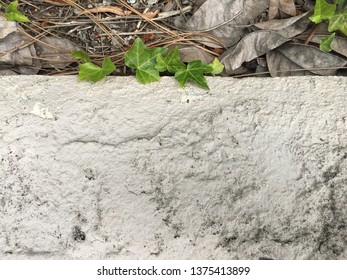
(148, 63)
(90, 71)
(335, 14)
(143, 60)
(12, 13)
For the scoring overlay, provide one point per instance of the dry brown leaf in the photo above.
(225, 20)
(281, 66)
(55, 52)
(151, 14)
(7, 72)
(288, 27)
(16, 50)
(251, 46)
(291, 57)
(107, 9)
(6, 27)
(339, 44)
(190, 53)
(286, 6)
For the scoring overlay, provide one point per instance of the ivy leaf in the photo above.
(143, 60)
(339, 4)
(325, 43)
(172, 62)
(12, 14)
(194, 71)
(94, 73)
(322, 11)
(217, 67)
(338, 22)
(107, 66)
(81, 55)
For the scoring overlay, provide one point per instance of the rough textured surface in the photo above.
(255, 169)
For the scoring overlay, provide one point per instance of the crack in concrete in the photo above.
(147, 137)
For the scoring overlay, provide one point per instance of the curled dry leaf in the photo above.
(339, 44)
(55, 52)
(107, 9)
(286, 6)
(251, 46)
(274, 33)
(225, 19)
(23, 54)
(6, 27)
(190, 53)
(291, 57)
(281, 66)
(17, 50)
(289, 27)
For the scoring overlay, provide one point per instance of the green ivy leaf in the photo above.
(94, 73)
(340, 4)
(194, 71)
(172, 62)
(217, 67)
(338, 22)
(143, 60)
(322, 11)
(12, 14)
(81, 55)
(325, 43)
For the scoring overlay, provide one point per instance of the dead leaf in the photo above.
(148, 37)
(281, 66)
(288, 27)
(190, 53)
(107, 9)
(251, 46)
(286, 6)
(6, 27)
(17, 50)
(7, 72)
(291, 57)
(14, 50)
(225, 19)
(339, 44)
(151, 14)
(55, 52)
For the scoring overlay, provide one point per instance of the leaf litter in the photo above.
(251, 38)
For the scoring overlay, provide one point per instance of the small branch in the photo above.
(313, 31)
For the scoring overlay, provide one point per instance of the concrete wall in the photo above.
(255, 169)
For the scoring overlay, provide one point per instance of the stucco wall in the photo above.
(254, 169)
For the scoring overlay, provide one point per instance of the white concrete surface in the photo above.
(255, 169)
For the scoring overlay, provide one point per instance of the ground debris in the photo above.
(247, 34)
